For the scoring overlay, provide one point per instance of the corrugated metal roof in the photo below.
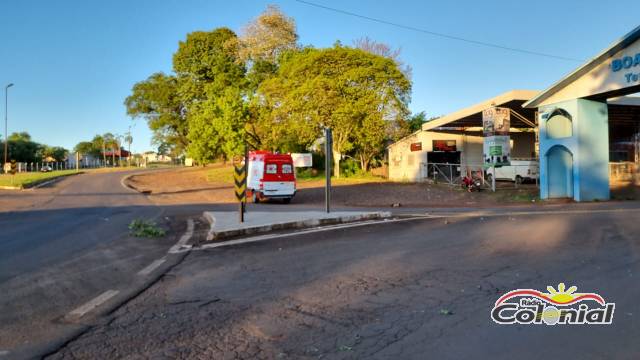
(522, 95)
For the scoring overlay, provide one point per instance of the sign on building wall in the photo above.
(496, 150)
(444, 145)
(497, 145)
(417, 146)
(302, 160)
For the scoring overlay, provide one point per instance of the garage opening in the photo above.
(624, 147)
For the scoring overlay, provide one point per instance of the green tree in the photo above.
(20, 136)
(341, 88)
(56, 152)
(156, 99)
(211, 80)
(416, 120)
(206, 63)
(99, 142)
(23, 149)
(87, 148)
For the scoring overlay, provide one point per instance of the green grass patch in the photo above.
(145, 228)
(220, 174)
(32, 178)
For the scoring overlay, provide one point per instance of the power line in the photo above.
(433, 33)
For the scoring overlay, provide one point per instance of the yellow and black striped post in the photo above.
(240, 182)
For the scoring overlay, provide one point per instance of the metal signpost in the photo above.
(12, 170)
(328, 140)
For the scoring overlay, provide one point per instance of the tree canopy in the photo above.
(352, 91)
(264, 89)
(23, 149)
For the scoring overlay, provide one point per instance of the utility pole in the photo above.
(328, 140)
(6, 134)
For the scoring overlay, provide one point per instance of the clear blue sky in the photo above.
(74, 62)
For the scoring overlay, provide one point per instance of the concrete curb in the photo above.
(298, 224)
(124, 184)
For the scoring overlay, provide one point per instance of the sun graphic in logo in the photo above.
(562, 296)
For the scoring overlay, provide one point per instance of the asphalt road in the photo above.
(61, 246)
(405, 290)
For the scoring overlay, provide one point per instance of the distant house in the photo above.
(151, 156)
(121, 153)
(86, 160)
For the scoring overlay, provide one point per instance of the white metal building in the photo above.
(457, 138)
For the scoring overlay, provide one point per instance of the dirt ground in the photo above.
(212, 184)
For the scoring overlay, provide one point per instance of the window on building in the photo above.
(444, 145)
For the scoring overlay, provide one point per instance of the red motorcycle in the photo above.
(471, 183)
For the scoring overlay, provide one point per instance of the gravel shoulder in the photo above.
(213, 185)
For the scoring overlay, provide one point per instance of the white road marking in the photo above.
(181, 245)
(310, 231)
(92, 304)
(149, 269)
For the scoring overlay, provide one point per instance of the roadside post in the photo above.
(12, 170)
(77, 161)
(328, 140)
(240, 182)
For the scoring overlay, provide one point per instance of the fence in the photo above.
(511, 176)
(624, 171)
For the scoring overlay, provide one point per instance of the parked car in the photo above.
(519, 171)
(46, 168)
(270, 176)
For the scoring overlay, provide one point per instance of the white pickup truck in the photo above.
(518, 171)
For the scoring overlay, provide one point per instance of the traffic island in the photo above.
(225, 224)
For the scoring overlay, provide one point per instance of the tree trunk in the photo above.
(336, 163)
(363, 163)
(104, 155)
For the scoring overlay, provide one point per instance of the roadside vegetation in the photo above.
(262, 88)
(25, 180)
(23, 149)
(145, 228)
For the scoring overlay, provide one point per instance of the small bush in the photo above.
(145, 228)
(349, 167)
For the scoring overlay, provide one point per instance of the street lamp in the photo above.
(6, 134)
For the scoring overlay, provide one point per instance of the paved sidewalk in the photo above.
(225, 224)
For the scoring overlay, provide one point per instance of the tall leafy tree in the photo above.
(99, 142)
(87, 148)
(156, 99)
(341, 88)
(210, 83)
(23, 149)
(266, 37)
(55, 152)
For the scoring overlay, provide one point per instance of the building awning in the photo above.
(597, 70)
(472, 116)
